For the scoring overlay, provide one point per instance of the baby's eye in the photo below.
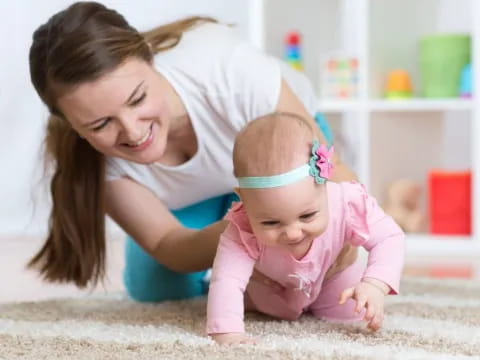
(308, 215)
(270, 223)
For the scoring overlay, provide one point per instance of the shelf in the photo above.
(338, 106)
(421, 105)
(411, 105)
(442, 245)
(385, 140)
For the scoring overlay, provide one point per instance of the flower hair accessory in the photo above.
(320, 162)
(319, 167)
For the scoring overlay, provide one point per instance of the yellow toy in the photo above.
(398, 85)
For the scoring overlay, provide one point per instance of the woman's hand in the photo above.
(369, 295)
(232, 338)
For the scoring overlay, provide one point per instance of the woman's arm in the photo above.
(144, 217)
(289, 102)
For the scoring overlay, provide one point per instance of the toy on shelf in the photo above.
(403, 205)
(442, 58)
(293, 55)
(450, 202)
(340, 78)
(399, 85)
(465, 90)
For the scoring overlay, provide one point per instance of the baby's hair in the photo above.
(272, 144)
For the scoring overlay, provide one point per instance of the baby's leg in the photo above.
(263, 298)
(326, 305)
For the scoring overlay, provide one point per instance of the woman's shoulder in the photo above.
(203, 58)
(212, 32)
(207, 41)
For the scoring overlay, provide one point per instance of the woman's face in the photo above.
(126, 113)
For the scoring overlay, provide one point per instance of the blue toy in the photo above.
(465, 90)
(292, 50)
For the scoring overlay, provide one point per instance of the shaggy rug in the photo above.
(432, 319)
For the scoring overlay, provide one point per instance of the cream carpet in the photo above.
(432, 319)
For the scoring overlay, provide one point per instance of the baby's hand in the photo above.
(233, 338)
(369, 294)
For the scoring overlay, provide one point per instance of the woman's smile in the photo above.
(144, 142)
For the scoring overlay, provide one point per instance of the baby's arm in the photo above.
(231, 271)
(384, 240)
(386, 252)
(369, 295)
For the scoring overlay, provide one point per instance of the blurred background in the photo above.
(394, 79)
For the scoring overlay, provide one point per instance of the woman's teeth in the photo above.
(143, 139)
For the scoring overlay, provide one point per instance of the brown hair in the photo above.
(77, 45)
(272, 144)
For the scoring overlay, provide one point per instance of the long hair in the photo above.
(77, 45)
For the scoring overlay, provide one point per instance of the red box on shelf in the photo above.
(450, 202)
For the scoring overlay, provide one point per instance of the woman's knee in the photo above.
(148, 281)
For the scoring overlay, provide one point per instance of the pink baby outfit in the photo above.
(354, 217)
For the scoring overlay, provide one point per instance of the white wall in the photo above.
(22, 116)
(23, 201)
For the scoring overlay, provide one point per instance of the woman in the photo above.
(142, 128)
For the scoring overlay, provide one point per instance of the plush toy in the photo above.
(403, 197)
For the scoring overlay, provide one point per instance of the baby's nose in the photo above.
(293, 233)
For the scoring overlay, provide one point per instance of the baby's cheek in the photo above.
(319, 227)
(267, 238)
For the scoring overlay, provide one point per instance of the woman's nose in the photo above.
(132, 131)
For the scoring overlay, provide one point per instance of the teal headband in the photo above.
(261, 182)
(319, 167)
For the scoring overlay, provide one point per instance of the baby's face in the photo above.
(288, 216)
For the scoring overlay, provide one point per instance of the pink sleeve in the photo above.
(231, 271)
(377, 232)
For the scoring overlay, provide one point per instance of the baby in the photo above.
(290, 225)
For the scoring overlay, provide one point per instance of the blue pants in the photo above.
(146, 280)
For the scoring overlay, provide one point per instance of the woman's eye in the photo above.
(308, 216)
(102, 124)
(138, 100)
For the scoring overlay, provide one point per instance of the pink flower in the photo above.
(324, 163)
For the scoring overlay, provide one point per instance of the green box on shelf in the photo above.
(442, 58)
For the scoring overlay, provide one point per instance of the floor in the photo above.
(19, 284)
(428, 320)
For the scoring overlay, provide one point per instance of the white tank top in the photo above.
(224, 82)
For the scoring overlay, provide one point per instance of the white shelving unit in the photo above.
(389, 139)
